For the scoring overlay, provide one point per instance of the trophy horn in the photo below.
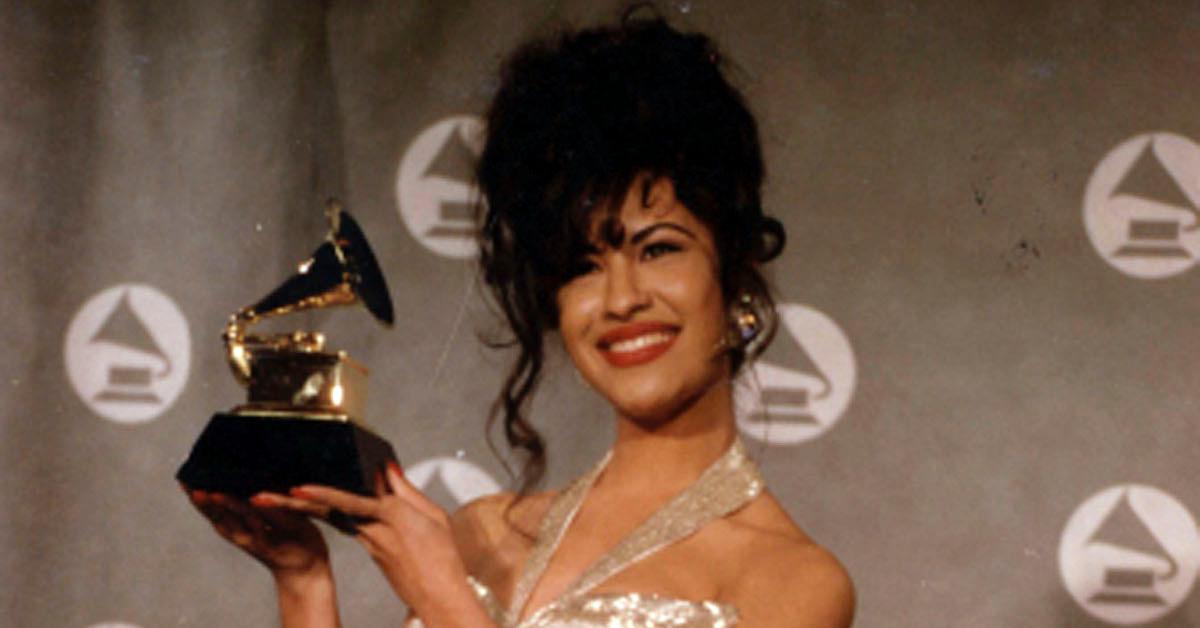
(341, 271)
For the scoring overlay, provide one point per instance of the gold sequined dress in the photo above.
(728, 484)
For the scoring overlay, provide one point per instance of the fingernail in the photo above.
(263, 500)
(395, 468)
(298, 491)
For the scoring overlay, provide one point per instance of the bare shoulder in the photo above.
(781, 576)
(493, 532)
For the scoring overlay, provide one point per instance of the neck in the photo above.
(663, 457)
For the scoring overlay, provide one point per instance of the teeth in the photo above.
(641, 342)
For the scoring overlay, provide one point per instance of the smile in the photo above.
(637, 344)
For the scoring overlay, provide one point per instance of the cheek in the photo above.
(575, 313)
(700, 296)
(567, 307)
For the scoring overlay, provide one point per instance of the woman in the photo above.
(623, 175)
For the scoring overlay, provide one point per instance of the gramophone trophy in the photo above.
(303, 419)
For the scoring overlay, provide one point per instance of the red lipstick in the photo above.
(637, 343)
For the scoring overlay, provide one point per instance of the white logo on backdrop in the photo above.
(451, 482)
(1129, 554)
(435, 186)
(1142, 206)
(128, 352)
(803, 397)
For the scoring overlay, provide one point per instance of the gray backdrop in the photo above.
(984, 404)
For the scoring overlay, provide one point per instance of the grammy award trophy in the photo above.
(303, 419)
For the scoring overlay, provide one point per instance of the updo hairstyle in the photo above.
(577, 119)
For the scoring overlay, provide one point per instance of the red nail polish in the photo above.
(396, 468)
(301, 493)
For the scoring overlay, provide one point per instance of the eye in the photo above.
(658, 249)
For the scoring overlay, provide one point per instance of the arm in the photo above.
(275, 531)
(307, 600)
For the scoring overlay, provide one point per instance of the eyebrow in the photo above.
(647, 231)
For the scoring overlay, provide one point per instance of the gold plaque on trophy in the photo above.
(302, 422)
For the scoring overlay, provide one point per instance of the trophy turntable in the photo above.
(303, 419)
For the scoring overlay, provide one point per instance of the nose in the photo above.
(624, 292)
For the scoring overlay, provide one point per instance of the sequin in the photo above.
(728, 484)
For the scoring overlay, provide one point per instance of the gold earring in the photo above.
(746, 321)
(749, 317)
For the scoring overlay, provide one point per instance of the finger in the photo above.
(208, 506)
(285, 519)
(404, 489)
(212, 513)
(248, 517)
(224, 528)
(369, 536)
(395, 478)
(381, 484)
(274, 502)
(243, 520)
(200, 501)
(228, 522)
(366, 541)
(348, 503)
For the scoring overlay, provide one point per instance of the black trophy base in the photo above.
(243, 454)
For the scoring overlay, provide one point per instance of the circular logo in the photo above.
(435, 186)
(1142, 206)
(127, 353)
(451, 482)
(804, 395)
(1129, 554)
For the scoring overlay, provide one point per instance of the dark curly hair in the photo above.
(578, 118)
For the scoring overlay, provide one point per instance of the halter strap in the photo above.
(726, 485)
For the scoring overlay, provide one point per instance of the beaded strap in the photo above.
(725, 486)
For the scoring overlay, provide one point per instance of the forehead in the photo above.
(644, 204)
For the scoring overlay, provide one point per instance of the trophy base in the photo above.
(241, 454)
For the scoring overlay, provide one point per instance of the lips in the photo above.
(638, 343)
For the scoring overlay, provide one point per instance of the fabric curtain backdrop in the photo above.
(982, 398)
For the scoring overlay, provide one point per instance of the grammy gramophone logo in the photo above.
(803, 385)
(435, 189)
(451, 481)
(1129, 554)
(127, 353)
(1142, 206)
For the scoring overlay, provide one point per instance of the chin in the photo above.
(655, 406)
(656, 393)
(647, 414)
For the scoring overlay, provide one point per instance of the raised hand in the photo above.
(274, 529)
(277, 531)
(410, 539)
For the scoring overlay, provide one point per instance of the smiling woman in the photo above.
(645, 322)
(623, 176)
